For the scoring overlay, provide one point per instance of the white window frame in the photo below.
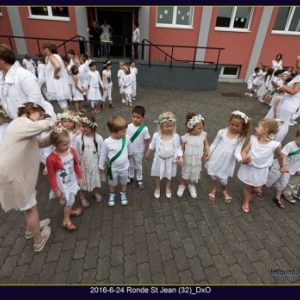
(224, 76)
(174, 25)
(231, 28)
(287, 25)
(1, 12)
(49, 17)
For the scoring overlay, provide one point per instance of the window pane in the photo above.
(295, 23)
(39, 11)
(184, 15)
(224, 16)
(242, 17)
(165, 15)
(281, 18)
(60, 11)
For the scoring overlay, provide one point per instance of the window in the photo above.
(176, 16)
(231, 72)
(234, 18)
(49, 12)
(287, 20)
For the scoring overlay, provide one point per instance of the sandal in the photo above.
(227, 198)
(68, 225)
(75, 212)
(289, 198)
(259, 194)
(279, 202)
(98, 197)
(245, 207)
(85, 203)
(212, 196)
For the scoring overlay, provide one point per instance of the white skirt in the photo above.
(253, 176)
(94, 94)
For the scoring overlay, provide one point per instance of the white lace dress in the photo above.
(192, 166)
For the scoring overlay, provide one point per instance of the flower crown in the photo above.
(2, 114)
(271, 136)
(165, 120)
(242, 115)
(194, 121)
(33, 105)
(68, 116)
(58, 129)
(87, 121)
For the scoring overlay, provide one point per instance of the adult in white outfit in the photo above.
(277, 62)
(18, 86)
(289, 104)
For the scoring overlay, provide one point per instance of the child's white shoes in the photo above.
(192, 191)
(180, 190)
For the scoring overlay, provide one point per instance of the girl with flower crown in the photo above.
(88, 148)
(168, 152)
(225, 150)
(257, 158)
(196, 149)
(64, 174)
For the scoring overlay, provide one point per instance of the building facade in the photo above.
(249, 35)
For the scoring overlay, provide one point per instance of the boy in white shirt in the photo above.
(117, 148)
(120, 75)
(133, 71)
(250, 81)
(140, 139)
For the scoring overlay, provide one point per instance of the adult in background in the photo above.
(94, 35)
(18, 86)
(106, 31)
(277, 62)
(136, 39)
(289, 104)
(57, 80)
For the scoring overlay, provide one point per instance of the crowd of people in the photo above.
(78, 159)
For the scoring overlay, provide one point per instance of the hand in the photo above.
(81, 181)
(104, 88)
(179, 160)
(204, 158)
(284, 169)
(246, 160)
(56, 77)
(57, 194)
(103, 169)
(147, 157)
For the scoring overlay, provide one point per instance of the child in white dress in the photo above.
(94, 94)
(120, 75)
(77, 89)
(3, 125)
(41, 70)
(29, 64)
(196, 149)
(133, 71)
(225, 150)
(70, 121)
(168, 152)
(64, 174)
(107, 84)
(127, 82)
(257, 157)
(88, 148)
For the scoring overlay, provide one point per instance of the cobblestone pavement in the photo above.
(165, 241)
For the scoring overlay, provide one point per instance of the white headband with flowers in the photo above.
(87, 121)
(195, 120)
(58, 129)
(271, 136)
(165, 120)
(68, 116)
(2, 114)
(33, 105)
(242, 115)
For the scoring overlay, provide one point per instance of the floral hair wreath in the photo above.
(165, 120)
(242, 115)
(68, 116)
(58, 129)
(272, 135)
(195, 120)
(33, 105)
(88, 122)
(2, 114)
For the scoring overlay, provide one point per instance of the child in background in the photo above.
(41, 70)
(69, 120)
(263, 89)
(120, 75)
(107, 84)
(88, 148)
(133, 71)
(64, 174)
(83, 75)
(29, 64)
(94, 94)
(168, 152)
(140, 139)
(127, 82)
(3, 125)
(285, 183)
(257, 157)
(117, 148)
(196, 149)
(77, 90)
(250, 81)
(272, 86)
(225, 150)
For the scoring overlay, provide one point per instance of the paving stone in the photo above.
(117, 237)
(19, 246)
(94, 238)
(290, 244)
(18, 274)
(139, 234)
(130, 266)
(116, 275)
(161, 231)
(30, 279)
(90, 261)
(138, 218)
(204, 256)
(11, 237)
(223, 225)
(196, 269)
(271, 248)
(240, 235)
(170, 223)
(210, 219)
(105, 246)
(54, 251)
(197, 213)
(158, 217)
(166, 250)
(88, 277)
(237, 274)
(180, 259)
(83, 232)
(211, 245)
(152, 242)
(233, 242)
(117, 256)
(186, 277)
(166, 209)
(26, 256)
(244, 262)
(171, 272)
(212, 275)
(131, 280)
(185, 206)
(178, 215)
(262, 271)
(46, 276)
(150, 225)
(144, 274)
(229, 280)
(64, 261)
(197, 238)
(80, 249)
(221, 266)
(294, 236)
(129, 244)
(204, 228)
(37, 264)
(189, 247)
(250, 251)
(103, 269)
(159, 278)
(254, 241)
(254, 279)
(141, 253)
(227, 254)
(175, 239)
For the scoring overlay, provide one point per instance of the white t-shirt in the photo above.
(134, 72)
(292, 101)
(105, 28)
(41, 72)
(136, 36)
(108, 81)
(29, 65)
(138, 144)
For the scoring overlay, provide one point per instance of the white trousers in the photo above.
(136, 163)
(107, 94)
(292, 187)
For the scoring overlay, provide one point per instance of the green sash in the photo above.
(109, 172)
(295, 152)
(138, 131)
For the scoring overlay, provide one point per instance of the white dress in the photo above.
(58, 89)
(94, 93)
(224, 152)
(193, 153)
(77, 95)
(3, 128)
(256, 172)
(89, 160)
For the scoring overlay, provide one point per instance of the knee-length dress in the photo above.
(89, 159)
(224, 153)
(192, 165)
(77, 95)
(95, 81)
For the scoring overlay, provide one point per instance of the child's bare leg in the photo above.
(226, 196)
(77, 106)
(83, 201)
(67, 213)
(212, 194)
(168, 186)
(45, 171)
(182, 181)
(248, 194)
(123, 187)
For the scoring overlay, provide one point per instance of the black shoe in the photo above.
(130, 180)
(111, 106)
(140, 185)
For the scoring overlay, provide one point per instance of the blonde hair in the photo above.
(164, 118)
(56, 136)
(72, 114)
(116, 123)
(272, 125)
(121, 63)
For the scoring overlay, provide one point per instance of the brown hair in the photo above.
(93, 120)
(126, 70)
(116, 124)
(244, 134)
(55, 137)
(7, 54)
(50, 46)
(28, 107)
(297, 132)
(189, 116)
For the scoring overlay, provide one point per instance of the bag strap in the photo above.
(138, 131)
